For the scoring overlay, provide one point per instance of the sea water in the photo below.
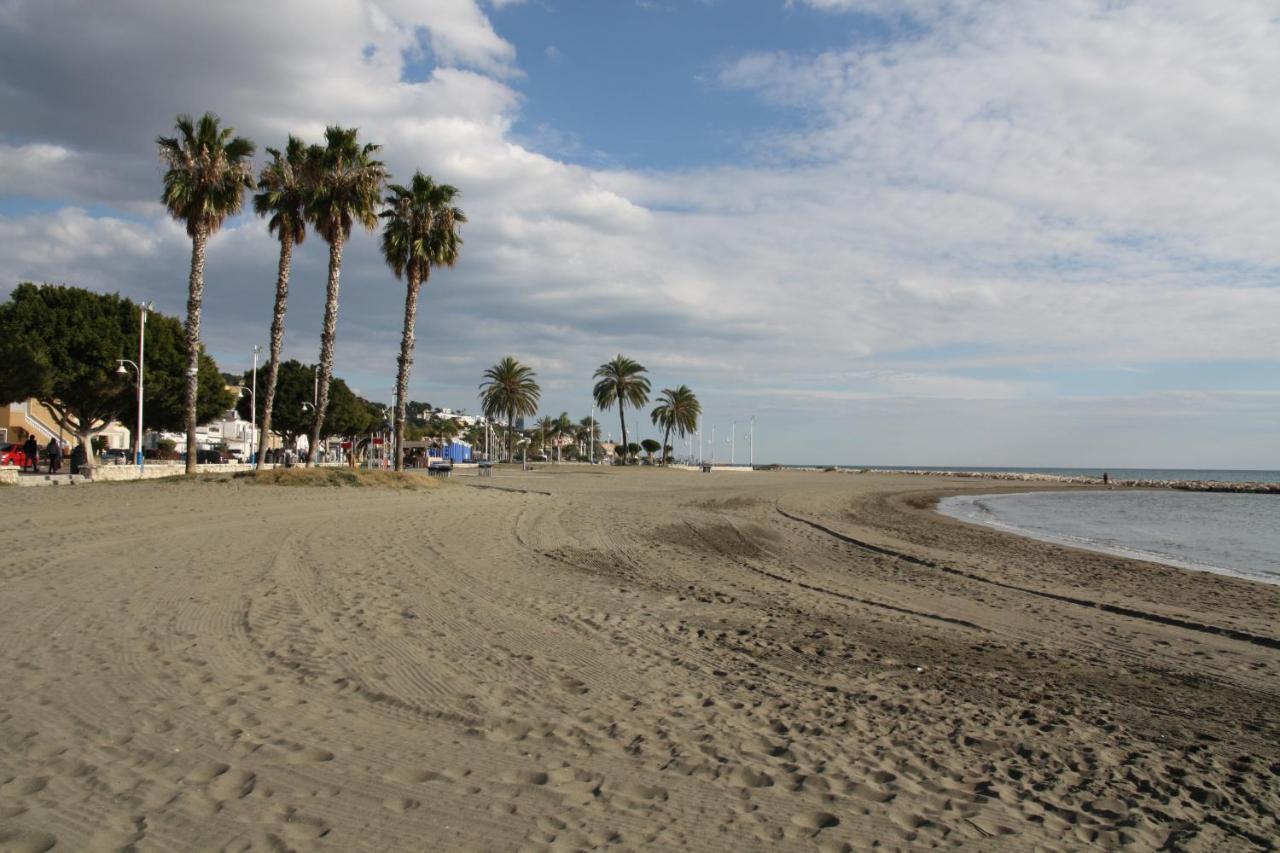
(1235, 534)
(1217, 475)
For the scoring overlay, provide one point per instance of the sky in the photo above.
(900, 232)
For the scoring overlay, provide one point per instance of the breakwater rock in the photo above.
(1184, 485)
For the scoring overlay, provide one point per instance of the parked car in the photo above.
(13, 454)
(114, 457)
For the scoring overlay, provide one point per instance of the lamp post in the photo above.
(253, 408)
(137, 436)
(120, 363)
(591, 436)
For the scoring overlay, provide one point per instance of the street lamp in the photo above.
(253, 408)
(137, 367)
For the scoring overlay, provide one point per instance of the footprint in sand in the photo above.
(525, 777)
(233, 785)
(414, 775)
(309, 755)
(205, 772)
(745, 777)
(636, 791)
(815, 821)
(24, 786)
(17, 840)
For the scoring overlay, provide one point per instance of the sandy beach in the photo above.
(628, 659)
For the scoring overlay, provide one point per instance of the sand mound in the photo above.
(331, 477)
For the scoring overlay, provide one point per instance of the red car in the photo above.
(13, 454)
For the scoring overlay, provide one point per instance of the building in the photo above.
(30, 417)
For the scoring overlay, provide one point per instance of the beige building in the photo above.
(19, 420)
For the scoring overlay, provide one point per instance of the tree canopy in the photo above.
(295, 385)
(621, 381)
(208, 171)
(62, 345)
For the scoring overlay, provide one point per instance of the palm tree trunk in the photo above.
(622, 420)
(327, 335)
(405, 361)
(195, 296)
(277, 340)
(666, 439)
(511, 435)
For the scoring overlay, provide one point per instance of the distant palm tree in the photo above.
(564, 429)
(621, 382)
(207, 172)
(509, 388)
(678, 409)
(282, 193)
(420, 232)
(547, 428)
(587, 434)
(346, 183)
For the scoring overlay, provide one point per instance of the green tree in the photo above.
(633, 450)
(345, 185)
(207, 172)
(678, 409)
(62, 345)
(421, 231)
(281, 196)
(164, 386)
(510, 388)
(651, 446)
(621, 381)
(293, 403)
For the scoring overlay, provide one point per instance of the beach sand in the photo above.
(637, 659)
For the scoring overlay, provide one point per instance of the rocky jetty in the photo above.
(1184, 485)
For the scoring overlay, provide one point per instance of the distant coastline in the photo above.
(1188, 479)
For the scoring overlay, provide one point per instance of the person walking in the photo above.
(31, 450)
(55, 455)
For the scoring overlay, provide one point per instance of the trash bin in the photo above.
(484, 469)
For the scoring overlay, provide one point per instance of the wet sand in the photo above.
(615, 659)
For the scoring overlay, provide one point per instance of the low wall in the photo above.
(157, 470)
(8, 474)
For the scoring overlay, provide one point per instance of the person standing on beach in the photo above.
(79, 458)
(55, 455)
(32, 450)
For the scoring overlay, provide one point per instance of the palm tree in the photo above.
(345, 185)
(621, 383)
(564, 429)
(207, 172)
(547, 428)
(678, 409)
(587, 433)
(420, 232)
(509, 388)
(282, 193)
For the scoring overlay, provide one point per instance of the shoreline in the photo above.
(618, 658)
(1030, 477)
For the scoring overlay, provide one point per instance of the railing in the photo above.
(32, 419)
